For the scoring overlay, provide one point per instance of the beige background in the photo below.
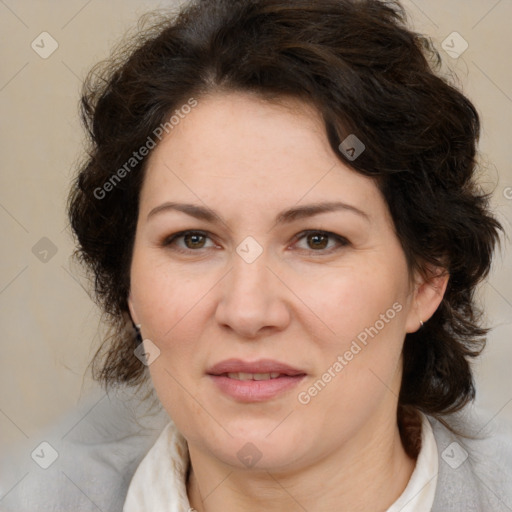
(49, 326)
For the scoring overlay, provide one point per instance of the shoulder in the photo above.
(475, 468)
(85, 460)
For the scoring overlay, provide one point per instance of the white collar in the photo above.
(419, 494)
(159, 483)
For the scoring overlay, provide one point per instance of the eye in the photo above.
(193, 240)
(318, 240)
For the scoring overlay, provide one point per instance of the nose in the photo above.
(253, 299)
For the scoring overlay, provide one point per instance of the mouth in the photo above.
(256, 381)
(253, 376)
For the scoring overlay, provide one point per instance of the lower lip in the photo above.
(255, 390)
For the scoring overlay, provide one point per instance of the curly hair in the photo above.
(366, 73)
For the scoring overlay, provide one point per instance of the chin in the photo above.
(259, 444)
(258, 455)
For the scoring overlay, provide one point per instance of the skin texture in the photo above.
(301, 302)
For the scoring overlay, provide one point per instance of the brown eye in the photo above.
(318, 241)
(192, 241)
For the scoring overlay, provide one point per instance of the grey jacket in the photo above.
(86, 460)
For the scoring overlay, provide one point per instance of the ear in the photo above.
(427, 295)
(133, 313)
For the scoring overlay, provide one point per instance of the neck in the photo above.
(369, 473)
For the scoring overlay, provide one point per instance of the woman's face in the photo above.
(280, 323)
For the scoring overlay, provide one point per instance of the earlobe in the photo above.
(428, 294)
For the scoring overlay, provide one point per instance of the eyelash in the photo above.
(341, 241)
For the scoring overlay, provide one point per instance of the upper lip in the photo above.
(259, 366)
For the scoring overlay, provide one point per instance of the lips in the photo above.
(261, 367)
(254, 381)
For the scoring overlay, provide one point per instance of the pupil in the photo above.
(194, 236)
(316, 236)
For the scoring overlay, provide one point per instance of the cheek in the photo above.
(357, 365)
(165, 298)
(365, 310)
(349, 301)
(169, 303)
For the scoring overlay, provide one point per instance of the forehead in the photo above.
(235, 149)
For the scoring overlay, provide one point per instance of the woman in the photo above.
(279, 198)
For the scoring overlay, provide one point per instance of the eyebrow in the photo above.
(284, 217)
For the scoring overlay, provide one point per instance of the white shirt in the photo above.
(419, 494)
(159, 483)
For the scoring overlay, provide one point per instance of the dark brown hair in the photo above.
(367, 74)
